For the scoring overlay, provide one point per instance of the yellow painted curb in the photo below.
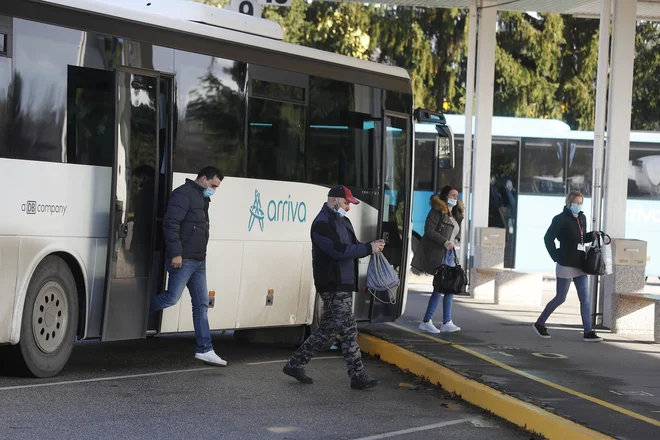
(523, 414)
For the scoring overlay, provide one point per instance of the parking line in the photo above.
(279, 361)
(418, 429)
(532, 377)
(104, 379)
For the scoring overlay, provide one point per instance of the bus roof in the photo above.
(510, 127)
(181, 19)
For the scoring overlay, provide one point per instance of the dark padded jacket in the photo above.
(335, 251)
(565, 227)
(186, 222)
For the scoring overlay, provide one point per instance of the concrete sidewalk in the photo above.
(612, 387)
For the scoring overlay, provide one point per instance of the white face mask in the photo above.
(339, 210)
(452, 202)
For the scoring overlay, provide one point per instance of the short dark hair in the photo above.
(210, 172)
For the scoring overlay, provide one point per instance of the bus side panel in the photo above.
(223, 275)
(307, 294)
(8, 271)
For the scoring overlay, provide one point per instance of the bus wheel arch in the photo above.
(50, 318)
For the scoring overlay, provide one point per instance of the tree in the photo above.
(646, 90)
(527, 64)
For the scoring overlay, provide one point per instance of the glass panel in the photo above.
(3, 44)
(211, 114)
(504, 194)
(580, 166)
(424, 160)
(543, 167)
(277, 91)
(137, 162)
(344, 137)
(276, 140)
(90, 134)
(394, 176)
(644, 171)
(42, 56)
(7, 115)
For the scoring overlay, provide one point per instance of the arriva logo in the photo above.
(284, 211)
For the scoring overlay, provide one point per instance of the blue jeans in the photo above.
(446, 300)
(563, 284)
(192, 273)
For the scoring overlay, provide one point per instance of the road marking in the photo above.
(104, 379)
(550, 355)
(279, 361)
(532, 377)
(504, 354)
(418, 429)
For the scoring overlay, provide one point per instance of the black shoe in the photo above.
(297, 373)
(363, 381)
(592, 337)
(541, 330)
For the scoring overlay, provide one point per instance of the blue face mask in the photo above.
(575, 209)
(452, 202)
(341, 212)
(208, 192)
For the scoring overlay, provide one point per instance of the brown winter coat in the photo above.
(437, 230)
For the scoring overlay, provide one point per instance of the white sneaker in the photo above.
(211, 358)
(449, 328)
(428, 327)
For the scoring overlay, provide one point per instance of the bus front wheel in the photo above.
(50, 319)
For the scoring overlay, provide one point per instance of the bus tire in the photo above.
(50, 319)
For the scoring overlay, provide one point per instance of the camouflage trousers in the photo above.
(337, 318)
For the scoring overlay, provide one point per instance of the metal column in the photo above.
(484, 116)
(599, 140)
(467, 139)
(618, 120)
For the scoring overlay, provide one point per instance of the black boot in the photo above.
(297, 373)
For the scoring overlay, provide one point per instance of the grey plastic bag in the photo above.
(381, 277)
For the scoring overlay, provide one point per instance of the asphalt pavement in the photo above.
(155, 389)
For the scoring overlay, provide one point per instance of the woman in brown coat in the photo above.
(442, 232)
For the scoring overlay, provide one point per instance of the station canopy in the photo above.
(646, 9)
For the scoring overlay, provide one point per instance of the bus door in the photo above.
(394, 215)
(135, 184)
(502, 212)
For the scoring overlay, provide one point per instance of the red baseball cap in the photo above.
(344, 193)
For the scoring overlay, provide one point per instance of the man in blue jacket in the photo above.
(186, 229)
(335, 254)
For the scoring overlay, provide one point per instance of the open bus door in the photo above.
(133, 208)
(396, 201)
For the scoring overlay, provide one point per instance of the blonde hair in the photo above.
(570, 198)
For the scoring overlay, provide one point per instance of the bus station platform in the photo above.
(561, 387)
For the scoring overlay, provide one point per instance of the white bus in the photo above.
(91, 91)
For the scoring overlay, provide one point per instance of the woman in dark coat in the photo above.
(442, 232)
(569, 228)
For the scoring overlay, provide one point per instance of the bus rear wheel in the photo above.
(50, 319)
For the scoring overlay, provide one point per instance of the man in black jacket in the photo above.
(335, 251)
(186, 230)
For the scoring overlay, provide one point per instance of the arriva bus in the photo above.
(534, 164)
(106, 105)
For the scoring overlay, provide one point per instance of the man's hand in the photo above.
(377, 246)
(177, 262)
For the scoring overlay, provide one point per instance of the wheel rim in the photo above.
(49, 317)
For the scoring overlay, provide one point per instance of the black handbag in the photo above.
(450, 279)
(594, 260)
